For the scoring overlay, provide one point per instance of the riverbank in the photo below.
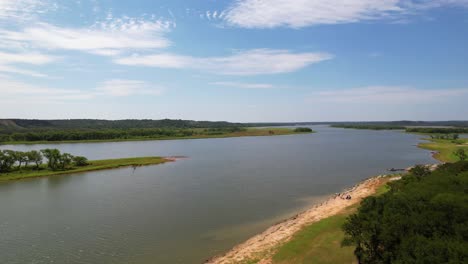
(265, 247)
(248, 132)
(93, 165)
(443, 149)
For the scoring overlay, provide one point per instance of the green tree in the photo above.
(7, 160)
(53, 158)
(35, 157)
(80, 161)
(65, 161)
(420, 220)
(420, 171)
(21, 157)
(461, 154)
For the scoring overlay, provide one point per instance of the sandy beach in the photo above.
(261, 246)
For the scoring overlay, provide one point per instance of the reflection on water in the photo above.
(186, 211)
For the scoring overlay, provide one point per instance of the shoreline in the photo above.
(258, 132)
(262, 245)
(94, 165)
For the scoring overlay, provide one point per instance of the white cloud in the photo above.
(7, 59)
(24, 9)
(302, 13)
(386, 95)
(29, 58)
(104, 38)
(119, 87)
(244, 85)
(250, 62)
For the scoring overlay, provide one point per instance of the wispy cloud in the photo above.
(109, 38)
(118, 87)
(250, 62)
(244, 85)
(21, 10)
(302, 13)
(386, 95)
(21, 91)
(9, 59)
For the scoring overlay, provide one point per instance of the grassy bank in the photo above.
(320, 242)
(93, 165)
(247, 132)
(444, 148)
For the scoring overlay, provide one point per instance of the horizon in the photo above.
(253, 122)
(248, 61)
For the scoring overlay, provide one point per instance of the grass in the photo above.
(94, 165)
(445, 148)
(248, 132)
(320, 242)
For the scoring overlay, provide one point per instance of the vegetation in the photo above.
(120, 134)
(58, 163)
(446, 149)
(407, 123)
(396, 126)
(318, 243)
(421, 219)
(461, 154)
(369, 126)
(303, 130)
(437, 130)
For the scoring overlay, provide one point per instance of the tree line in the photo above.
(423, 218)
(438, 130)
(109, 134)
(11, 160)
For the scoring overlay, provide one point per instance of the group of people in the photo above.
(345, 197)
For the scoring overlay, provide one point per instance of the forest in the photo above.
(423, 218)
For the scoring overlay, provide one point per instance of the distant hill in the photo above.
(65, 124)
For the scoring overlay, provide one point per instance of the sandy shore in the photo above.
(262, 245)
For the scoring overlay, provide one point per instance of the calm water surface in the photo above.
(186, 211)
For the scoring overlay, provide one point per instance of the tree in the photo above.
(7, 160)
(420, 171)
(422, 221)
(461, 154)
(53, 158)
(80, 161)
(21, 158)
(36, 157)
(65, 161)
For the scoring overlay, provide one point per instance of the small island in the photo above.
(15, 165)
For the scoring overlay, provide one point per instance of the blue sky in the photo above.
(238, 60)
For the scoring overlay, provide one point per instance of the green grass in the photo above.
(94, 165)
(320, 242)
(248, 132)
(445, 148)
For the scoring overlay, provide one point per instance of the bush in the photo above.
(80, 161)
(302, 130)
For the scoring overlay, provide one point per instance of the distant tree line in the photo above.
(426, 130)
(438, 130)
(55, 160)
(445, 136)
(370, 126)
(423, 218)
(109, 134)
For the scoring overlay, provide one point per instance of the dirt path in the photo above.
(262, 245)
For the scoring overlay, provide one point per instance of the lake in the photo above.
(187, 211)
